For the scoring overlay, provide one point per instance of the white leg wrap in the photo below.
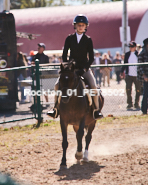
(85, 157)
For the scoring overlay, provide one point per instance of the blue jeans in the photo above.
(144, 104)
(98, 74)
(21, 88)
(118, 76)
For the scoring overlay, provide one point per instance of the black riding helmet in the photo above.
(80, 18)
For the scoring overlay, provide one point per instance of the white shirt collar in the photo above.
(79, 36)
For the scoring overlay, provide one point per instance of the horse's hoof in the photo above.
(78, 161)
(63, 167)
(85, 160)
(79, 155)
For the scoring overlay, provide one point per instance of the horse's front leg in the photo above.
(88, 139)
(79, 136)
(64, 143)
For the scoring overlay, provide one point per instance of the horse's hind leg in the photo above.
(64, 143)
(79, 136)
(88, 139)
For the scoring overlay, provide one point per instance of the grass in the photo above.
(123, 121)
(18, 137)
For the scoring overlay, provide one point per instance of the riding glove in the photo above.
(80, 72)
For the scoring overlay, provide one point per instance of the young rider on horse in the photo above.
(80, 46)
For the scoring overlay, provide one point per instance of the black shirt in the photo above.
(43, 59)
(79, 51)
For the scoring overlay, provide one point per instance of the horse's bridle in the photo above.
(77, 85)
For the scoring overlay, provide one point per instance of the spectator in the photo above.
(60, 59)
(111, 59)
(50, 59)
(54, 59)
(43, 59)
(30, 57)
(22, 73)
(106, 70)
(29, 60)
(31, 54)
(131, 75)
(97, 72)
(110, 56)
(122, 62)
(139, 48)
(117, 60)
(122, 58)
(143, 75)
(27, 63)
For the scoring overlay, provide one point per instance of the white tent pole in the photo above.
(124, 25)
(4, 5)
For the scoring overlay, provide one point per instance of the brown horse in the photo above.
(75, 110)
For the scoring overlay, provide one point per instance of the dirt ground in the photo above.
(118, 154)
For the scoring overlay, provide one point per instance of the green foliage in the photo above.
(46, 124)
(116, 0)
(95, 1)
(20, 4)
(6, 129)
(6, 180)
(26, 4)
(40, 3)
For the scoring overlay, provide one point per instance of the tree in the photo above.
(17, 4)
(20, 4)
(26, 4)
(40, 3)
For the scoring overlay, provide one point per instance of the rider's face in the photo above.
(40, 50)
(132, 49)
(80, 27)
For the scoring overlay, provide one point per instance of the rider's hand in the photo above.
(80, 72)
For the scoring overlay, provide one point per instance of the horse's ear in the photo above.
(62, 67)
(73, 66)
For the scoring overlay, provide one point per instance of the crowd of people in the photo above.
(132, 74)
(106, 72)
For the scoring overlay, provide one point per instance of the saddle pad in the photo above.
(88, 95)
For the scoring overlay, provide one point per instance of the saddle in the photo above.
(86, 85)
